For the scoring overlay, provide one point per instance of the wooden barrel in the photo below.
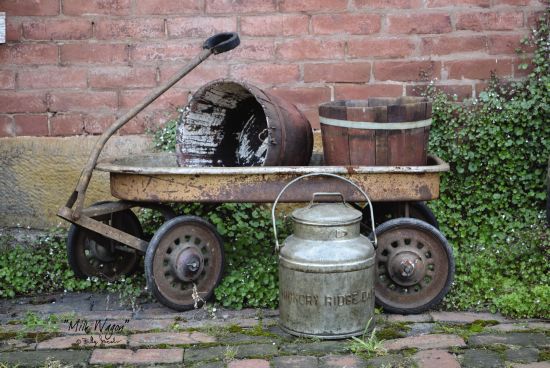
(232, 123)
(376, 131)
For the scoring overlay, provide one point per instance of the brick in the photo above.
(530, 365)
(388, 4)
(7, 79)
(436, 359)
(397, 47)
(406, 70)
(465, 317)
(28, 54)
(13, 102)
(14, 29)
(337, 72)
(67, 124)
(52, 77)
(337, 361)
(478, 69)
(38, 358)
(275, 25)
(122, 77)
(408, 318)
(200, 26)
(142, 356)
(462, 91)
(249, 363)
(83, 101)
(539, 340)
(57, 29)
(359, 24)
(295, 361)
(94, 53)
(518, 327)
(240, 7)
(506, 44)
(170, 338)
(310, 49)
(425, 342)
(144, 325)
(511, 2)
(80, 341)
(303, 95)
(171, 99)
(312, 5)
(7, 127)
(364, 91)
(165, 51)
(168, 7)
(251, 49)
(33, 125)
(444, 45)
(30, 7)
(457, 3)
(204, 73)
(83, 7)
(503, 21)
(137, 125)
(129, 29)
(421, 23)
(97, 124)
(266, 73)
(312, 115)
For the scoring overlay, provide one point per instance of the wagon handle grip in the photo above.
(216, 44)
(274, 221)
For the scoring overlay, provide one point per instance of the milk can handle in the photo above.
(277, 246)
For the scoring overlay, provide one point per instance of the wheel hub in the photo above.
(187, 263)
(101, 252)
(406, 268)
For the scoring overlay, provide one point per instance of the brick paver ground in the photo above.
(98, 330)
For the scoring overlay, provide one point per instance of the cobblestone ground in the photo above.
(80, 329)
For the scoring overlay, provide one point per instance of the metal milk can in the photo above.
(326, 270)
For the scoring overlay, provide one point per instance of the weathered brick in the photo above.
(406, 70)
(391, 4)
(83, 101)
(7, 79)
(30, 7)
(465, 317)
(506, 44)
(409, 318)
(57, 29)
(249, 363)
(512, 2)
(454, 3)
(14, 29)
(67, 124)
(312, 115)
(129, 29)
(240, 7)
(204, 73)
(122, 77)
(32, 125)
(7, 126)
(144, 325)
(310, 48)
(28, 54)
(302, 95)
(493, 21)
(97, 124)
(170, 338)
(397, 47)
(444, 45)
(257, 50)
(171, 99)
(436, 359)
(82, 7)
(364, 91)
(478, 68)
(200, 26)
(421, 23)
(52, 77)
(337, 72)
(164, 51)
(137, 125)
(275, 25)
(13, 102)
(94, 53)
(266, 73)
(295, 361)
(461, 91)
(425, 342)
(515, 338)
(312, 5)
(80, 341)
(169, 7)
(359, 23)
(142, 356)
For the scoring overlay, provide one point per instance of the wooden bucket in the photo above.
(376, 131)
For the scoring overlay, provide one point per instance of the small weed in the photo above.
(369, 345)
(230, 354)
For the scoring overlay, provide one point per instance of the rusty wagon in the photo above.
(184, 261)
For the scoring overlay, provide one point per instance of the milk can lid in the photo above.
(327, 214)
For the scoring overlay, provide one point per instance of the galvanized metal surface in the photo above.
(157, 178)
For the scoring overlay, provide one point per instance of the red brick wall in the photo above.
(70, 67)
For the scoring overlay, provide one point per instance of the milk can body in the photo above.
(326, 274)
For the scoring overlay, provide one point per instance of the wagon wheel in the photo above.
(92, 254)
(184, 262)
(384, 211)
(414, 266)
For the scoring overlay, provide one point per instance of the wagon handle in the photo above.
(216, 44)
(274, 221)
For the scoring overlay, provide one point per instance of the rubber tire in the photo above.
(150, 255)
(423, 213)
(134, 228)
(407, 221)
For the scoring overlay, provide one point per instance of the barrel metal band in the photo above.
(373, 125)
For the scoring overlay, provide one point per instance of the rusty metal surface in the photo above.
(157, 178)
